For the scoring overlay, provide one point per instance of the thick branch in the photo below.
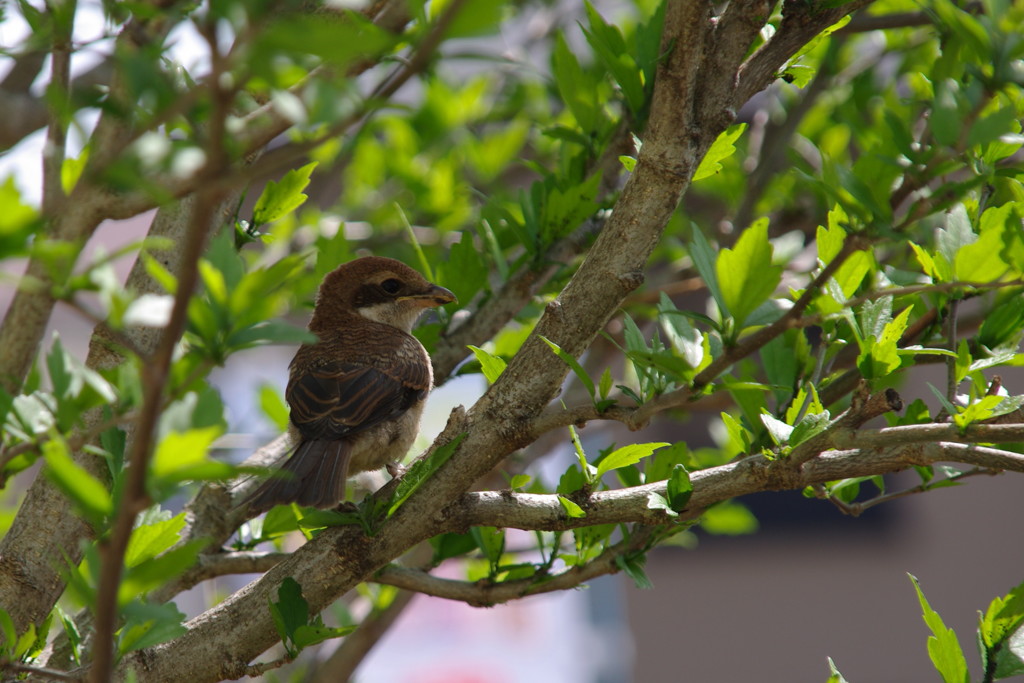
(753, 474)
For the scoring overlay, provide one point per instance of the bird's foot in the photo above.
(395, 469)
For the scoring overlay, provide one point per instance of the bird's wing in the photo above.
(335, 400)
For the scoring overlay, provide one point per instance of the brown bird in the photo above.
(357, 394)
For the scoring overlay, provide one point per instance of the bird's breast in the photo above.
(386, 442)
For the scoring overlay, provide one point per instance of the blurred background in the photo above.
(769, 605)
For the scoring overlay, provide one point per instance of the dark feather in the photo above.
(314, 475)
(338, 400)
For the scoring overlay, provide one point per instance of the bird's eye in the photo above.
(391, 285)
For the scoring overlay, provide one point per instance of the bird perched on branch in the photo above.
(357, 394)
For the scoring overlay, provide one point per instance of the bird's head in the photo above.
(377, 288)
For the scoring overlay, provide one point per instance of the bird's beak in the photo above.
(433, 297)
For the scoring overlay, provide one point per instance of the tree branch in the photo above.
(800, 23)
(484, 593)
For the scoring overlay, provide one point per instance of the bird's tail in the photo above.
(315, 476)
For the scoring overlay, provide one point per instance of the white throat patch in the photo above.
(394, 314)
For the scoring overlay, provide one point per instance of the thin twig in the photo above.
(154, 378)
(856, 508)
(39, 671)
(488, 594)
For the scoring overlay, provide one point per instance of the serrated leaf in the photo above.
(491, 365)
(745, 273)
(281, 198)
(722, 148)
(982, 260)
(466, 270)
(943, 646)
(289, 612)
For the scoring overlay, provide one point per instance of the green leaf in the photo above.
(18, 220)
(281, 198)
(680, 488)
(729, 519)
(633, 566)
(149, 540)
(491, 542)
(519, 481)
(87, 492)
(986, 408)
(183, 456)
(588, 471)
(466, 270)
(491, 365)
(571, 508)
(153, 572)
(722, 148)
(573, 364)
(8, 630)
(626, 456)
(610, 47)
(943, 646)
(273, 406)
(685, 339)
(946, 121)
(290, 612)
(421, 470)
(808, 426)
(982, 260)
(777, 429)
(656, 501)
(957, 234)
(578, 89)
(451, 545)
(603, 388)
(834, 675)
(312, 634)
(704, 258)
(269, 332)
(148, 624)
(880, 357)
(746, 274)
(999, 633)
